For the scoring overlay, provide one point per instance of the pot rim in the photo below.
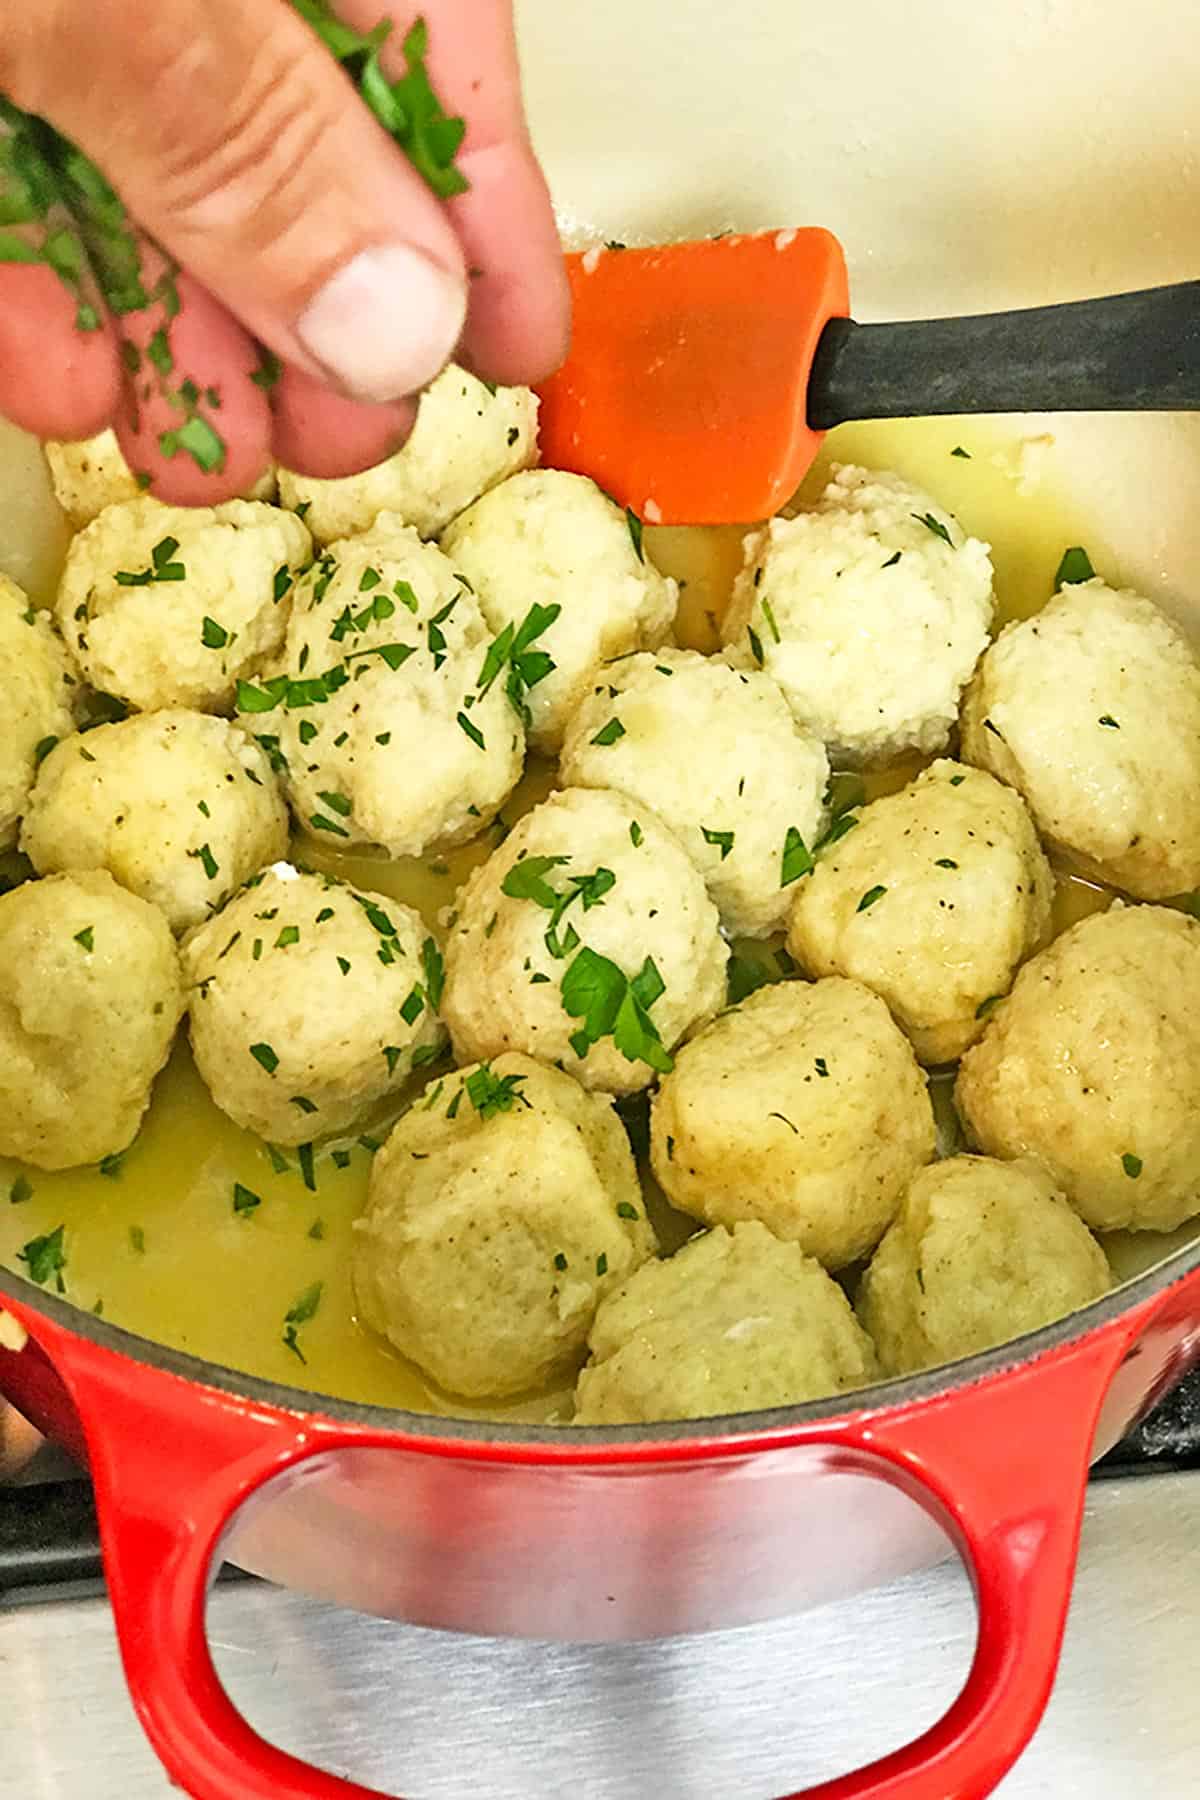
(881, 1396)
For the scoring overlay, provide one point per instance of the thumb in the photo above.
(241, 146)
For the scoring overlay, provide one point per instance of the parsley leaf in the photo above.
(1076, 566)
(44, 1257)
(435, 971)
(635, 532)
(721, 840)
(301, 1312)
(1132, 1165)
(611, 1004)
(797, 858)
(526, 880)
(609, 734)
(935, 526)
(490, 1094)
(870, 897)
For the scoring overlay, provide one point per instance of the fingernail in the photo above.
(386, 323)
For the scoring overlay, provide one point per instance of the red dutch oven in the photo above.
(600, 1533)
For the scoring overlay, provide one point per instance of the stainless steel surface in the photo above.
(744, 1714)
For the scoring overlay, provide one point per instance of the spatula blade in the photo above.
(685, 391)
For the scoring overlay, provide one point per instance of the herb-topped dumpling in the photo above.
(548, 538)
(1091, 710)
(310, 1003)
(870, 609)
(179, 807)
(170, 605)
(718, 755)
(803, 1108)
(933, 899)
(40, 688)
(588, 940)
(90, 996)
(395, 719)
(503, 1208)
(1092, 1066)
(980, 1252)
(468, 436)
(734, 1321)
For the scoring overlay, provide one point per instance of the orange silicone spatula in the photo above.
(702, 375)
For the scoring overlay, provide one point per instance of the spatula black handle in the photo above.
(1125, 353)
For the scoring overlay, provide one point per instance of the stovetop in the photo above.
(744, 1714)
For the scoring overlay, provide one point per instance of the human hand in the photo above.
(244, 152)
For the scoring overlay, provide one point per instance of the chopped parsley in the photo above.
(394, 655)
(265, 1057)
(609, 734)
(490, 1094)
(207, 861)
(304, 1153)
(300, 1313)
(769, 615)
(720, 840)
(511, 650)
(612, 1004)
(870, 897)
(602, 1264)
(316, 1230)
(268, 371)
(1107, 719)
(472, 731)
(281, 583)
(959, 451)
(435, 971)
(245, 1200)
(626, 1211)
(319, 822)
(212, 635)
(391, 1056)
(110, 1165)
(560, 1261)
(308, 731)
(797, 858)
(1132, 1165)
(635, 533)
(413, 1007)
(408, 108)
(756, 648)
(45, 1257)
(945, 862)
(337, 803)
(822, 1067)
(957, 780)
(635, 834)
(935, 526)
(20, 1191)
(288, 936)
(303, 1102)
(985, 1006)
(893, 560)
(42, 750)
(162, 567)
(86, 938)
(1076, 566)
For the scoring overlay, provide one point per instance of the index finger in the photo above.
(519, 319)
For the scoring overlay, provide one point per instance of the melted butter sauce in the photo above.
(158, 1244)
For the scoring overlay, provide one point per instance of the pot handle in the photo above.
(1005, 1465)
